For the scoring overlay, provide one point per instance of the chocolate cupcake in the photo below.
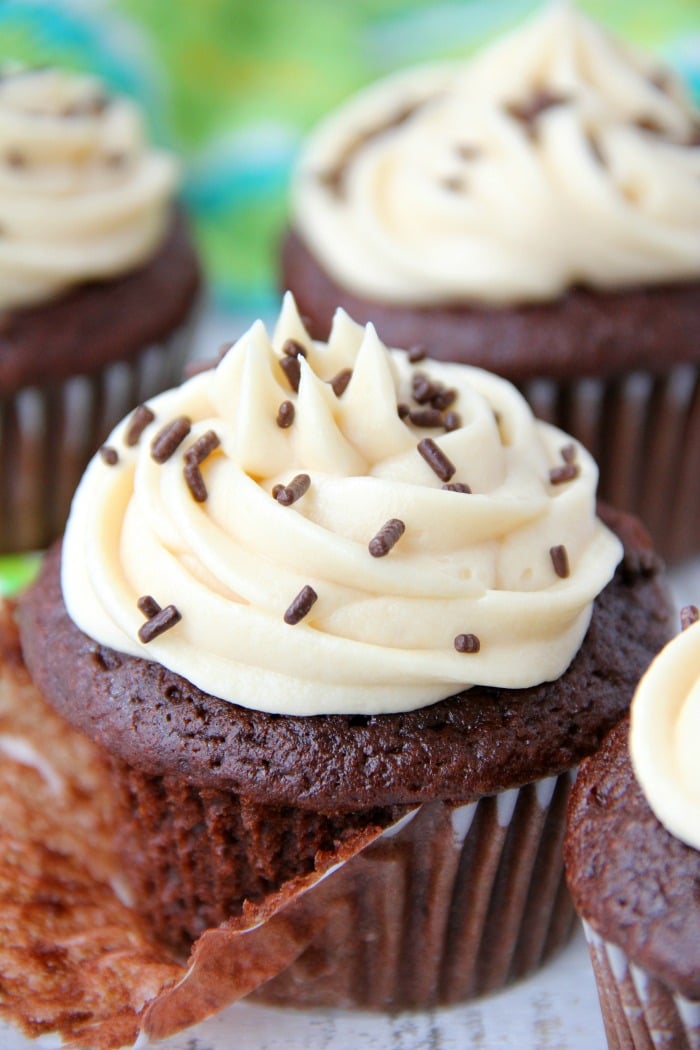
(633, 860)
(535, 211)
(324, 589)
(99, 282)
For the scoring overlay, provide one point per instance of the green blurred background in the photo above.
(233, 84)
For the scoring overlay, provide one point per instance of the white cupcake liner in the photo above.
(639, 1011)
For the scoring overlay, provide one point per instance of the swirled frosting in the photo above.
(557, 156)
(471, 571)
(81, 197)
(664, 734)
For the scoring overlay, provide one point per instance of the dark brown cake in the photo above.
(586, 333)
(618, 371)
(97, 323)
(637, 886)
(223, 803)
(71, 367)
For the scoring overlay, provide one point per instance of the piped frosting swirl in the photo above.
(81, 197)
(664, 734)
(558, 156)
(355, 560)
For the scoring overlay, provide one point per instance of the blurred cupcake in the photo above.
(535, 211)
(322, 589)
(633, 858)
(98, 286)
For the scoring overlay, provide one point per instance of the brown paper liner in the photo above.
(459, 902)
(48, 434)
(643, 430)
(445, 903)
(639, 1012)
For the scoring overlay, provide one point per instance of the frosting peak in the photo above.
(664, 733)
(81, 197)
(556, 156)
(405, 518)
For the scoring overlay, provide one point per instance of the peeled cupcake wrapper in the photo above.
(639, 1010)
(49, 432)
(77, 961)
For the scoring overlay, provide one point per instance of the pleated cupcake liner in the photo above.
(639, 1011)
(49, 432)
(450, 903)
(643, 430)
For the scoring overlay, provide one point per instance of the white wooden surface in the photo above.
(557, 1009)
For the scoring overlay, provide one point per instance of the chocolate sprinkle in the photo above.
(567, 472)
(436, 459)
(15, 159)
(527, 112)
(387, 537)
(453, 183)
(403, 409)
(568, 453)
(457, 486)
(293, 348)
(417, 353)
(467, 643)
(340, 381)
(452, 421)
(109, 455)
(202, 448)
(297, 487)
(560, 560)
(466, 151)
(195, 482)
(689, 615)
(444, 398)
(423, 389)
(167, 440)
(285, 415)
(140, 419)
(426, 417)
(148, 606)
(158, 624)
(292, 369)
(301, 605)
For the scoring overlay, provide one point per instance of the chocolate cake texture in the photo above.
(246, 800)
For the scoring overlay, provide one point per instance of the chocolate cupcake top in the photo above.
(314, 528)
(81, 196)
(632, 856)
(558, 156)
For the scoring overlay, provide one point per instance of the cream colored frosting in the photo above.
(81, 196)
(664, 735)
(380, 637)
(426, 188)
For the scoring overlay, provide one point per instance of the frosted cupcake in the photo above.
(98, 286)
(322, 589)
(535, 211)
(633, 857)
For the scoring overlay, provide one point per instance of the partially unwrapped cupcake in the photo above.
(324, 590)
(534, 210)
(633, 857)
(99, 282)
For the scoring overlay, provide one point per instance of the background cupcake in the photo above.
(633, 862)
(537, 212)
(278, 585)
(98, 285)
